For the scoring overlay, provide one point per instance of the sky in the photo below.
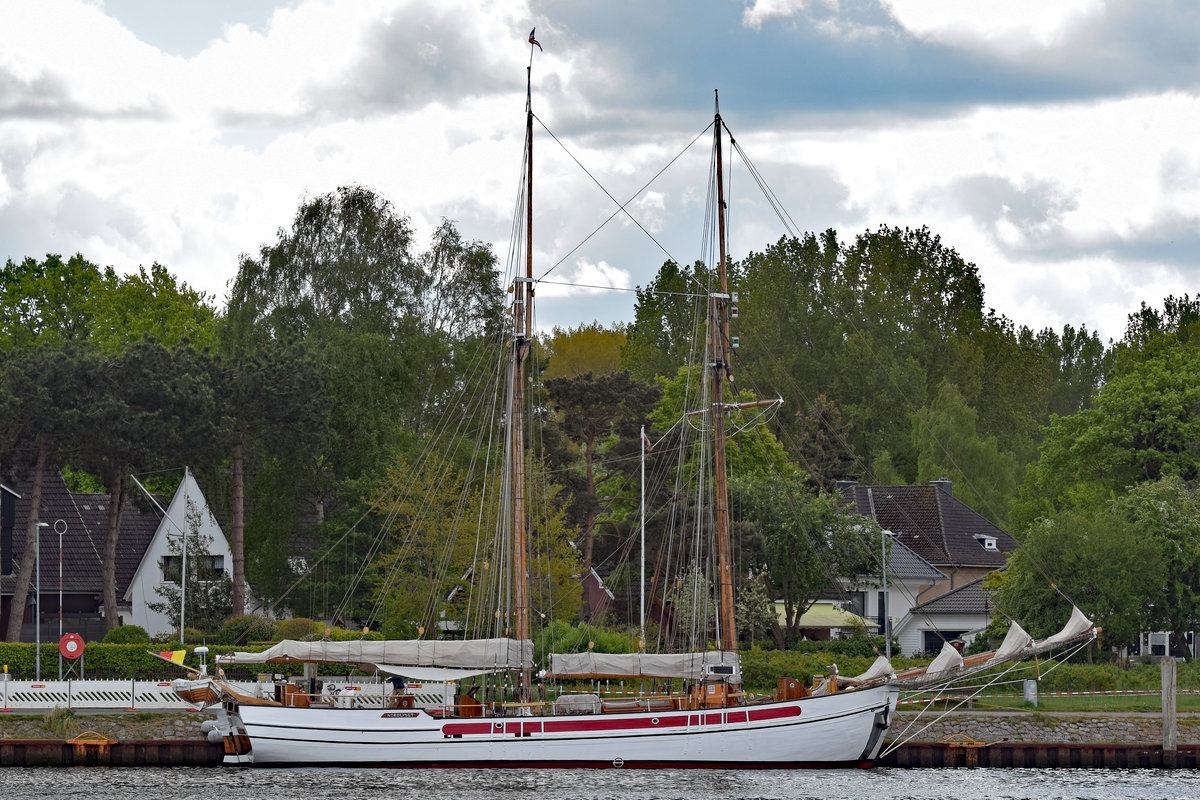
(1053, 145)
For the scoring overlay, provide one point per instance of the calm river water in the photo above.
(147, 783)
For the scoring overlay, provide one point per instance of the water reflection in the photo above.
(147, 783)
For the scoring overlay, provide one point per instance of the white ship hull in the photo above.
(840, 729)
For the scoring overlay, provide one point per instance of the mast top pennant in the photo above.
(533, 40)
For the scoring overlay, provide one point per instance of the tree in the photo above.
(589, 408)
(1131, 563)
(804, 542)
(52, 301)
(572, 352)
(949, 444)
(668, 321)
(45, 390)
(822, 444)
(271, 399)
(1144, 425)
(150, 403)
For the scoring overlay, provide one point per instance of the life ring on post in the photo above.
(71, 645)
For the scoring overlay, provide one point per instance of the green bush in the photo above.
(301, 628)
(246, 629)
(127, 634)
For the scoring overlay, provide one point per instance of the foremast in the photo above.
(718, 337)
(521, 340)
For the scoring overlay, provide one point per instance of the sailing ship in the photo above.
(431, 719)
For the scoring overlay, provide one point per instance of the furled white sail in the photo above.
(689, 666)
(947, 660)
(1015, 642)
(485, 654)
(881, 668)
(1076, 626)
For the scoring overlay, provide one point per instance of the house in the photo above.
(73, 535)
(164, 556)
(954, 616)
(944, 531)
(907, 576)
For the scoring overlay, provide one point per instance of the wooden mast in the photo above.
(718, 335)
(522, 327)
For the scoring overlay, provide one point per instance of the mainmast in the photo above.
(522, 328)
(718, 336)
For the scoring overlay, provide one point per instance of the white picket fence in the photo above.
(119, 695)
(130, 695)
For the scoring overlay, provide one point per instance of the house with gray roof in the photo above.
(952, 616)
(73, 536)
(941, 529)
(907, 575)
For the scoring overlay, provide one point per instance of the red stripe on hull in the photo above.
(618, 723)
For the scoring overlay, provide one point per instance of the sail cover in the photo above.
(486, 654)
(721, 664)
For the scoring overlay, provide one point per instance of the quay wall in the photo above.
(1033, 726)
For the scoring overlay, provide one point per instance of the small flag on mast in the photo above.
(646, 440)
(533, 40)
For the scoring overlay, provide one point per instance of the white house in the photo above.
(908, 574)
(187, 510)
(958, 614)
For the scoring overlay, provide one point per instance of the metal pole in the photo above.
(183, 563)
(37, 600)
(60, 527)
(883, 599)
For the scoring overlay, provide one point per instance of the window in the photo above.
(211, 567)
(208, 568)
(857, 603)
(171, 566)
(934, 640)
(987, 542)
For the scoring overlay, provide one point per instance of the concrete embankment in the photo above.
(1040, 739)
(108, 739)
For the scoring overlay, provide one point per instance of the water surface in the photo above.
(150, 783)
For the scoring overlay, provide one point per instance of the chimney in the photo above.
(944, 484)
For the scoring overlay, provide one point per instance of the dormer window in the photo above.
(986, 542)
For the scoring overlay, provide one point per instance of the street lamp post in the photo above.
(37, 601)
(60, 527)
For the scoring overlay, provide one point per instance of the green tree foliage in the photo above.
(589, 408)
(426, 560)
(151, 407)
(344, 281)
(823, 445)
(668, 321)
(949, 444)
(803, 541)
(1132, 564)
(51, 302)
(56, 301)
(1144, 426)
(271, 401)
(571, 352)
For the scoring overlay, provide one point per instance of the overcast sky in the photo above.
(1056, 145)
